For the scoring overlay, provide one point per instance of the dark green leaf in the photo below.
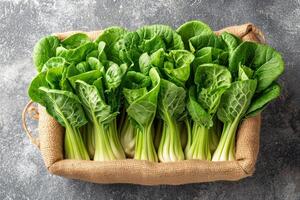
(136, 80)
(261, 100)
(264, 60)
(110, 37)
(94, 53)
(148, 39)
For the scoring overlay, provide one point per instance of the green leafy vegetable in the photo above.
(148, 39)
(260, 101)
(54, 62)
(233, 107)
(88, 136)
(205, 40)
(77, 54)
(230, 40)
(44, 49)
(127, 137)
(171, 105)
(264, 60)
(65, 107)
(177, 66)
(211, 82)
(107, 146)
(108, 43)
(191, 29)
(142, 111)
(153, 93)
(75, 40)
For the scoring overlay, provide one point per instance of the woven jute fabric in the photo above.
(51, 136)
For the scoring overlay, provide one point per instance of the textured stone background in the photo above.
(23, 22)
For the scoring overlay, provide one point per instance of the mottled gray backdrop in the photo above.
(23, 22)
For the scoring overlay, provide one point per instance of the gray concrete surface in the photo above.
(23, 22)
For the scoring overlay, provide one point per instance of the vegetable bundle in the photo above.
(154, 93)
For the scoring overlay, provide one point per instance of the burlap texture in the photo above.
(51, 136)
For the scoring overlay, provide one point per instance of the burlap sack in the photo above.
(51, 135)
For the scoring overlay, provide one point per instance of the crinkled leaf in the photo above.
(83, 67)
(111, 37)
(177, 68)
(54, 62)
(191, 29)
(114, 75)
(210, 55)
(211, 80)
(143, 109)
(136, 80)
(236, 100)
(94, 105)
(129, 51)
(76, 55)
(146, 61)
(196, 111)
(148, 39)
(54, 76)
(205, 40)
(171, 39)
(65, 107)
(152, 44)
(171, 100)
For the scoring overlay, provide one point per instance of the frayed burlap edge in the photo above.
(148, 173)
